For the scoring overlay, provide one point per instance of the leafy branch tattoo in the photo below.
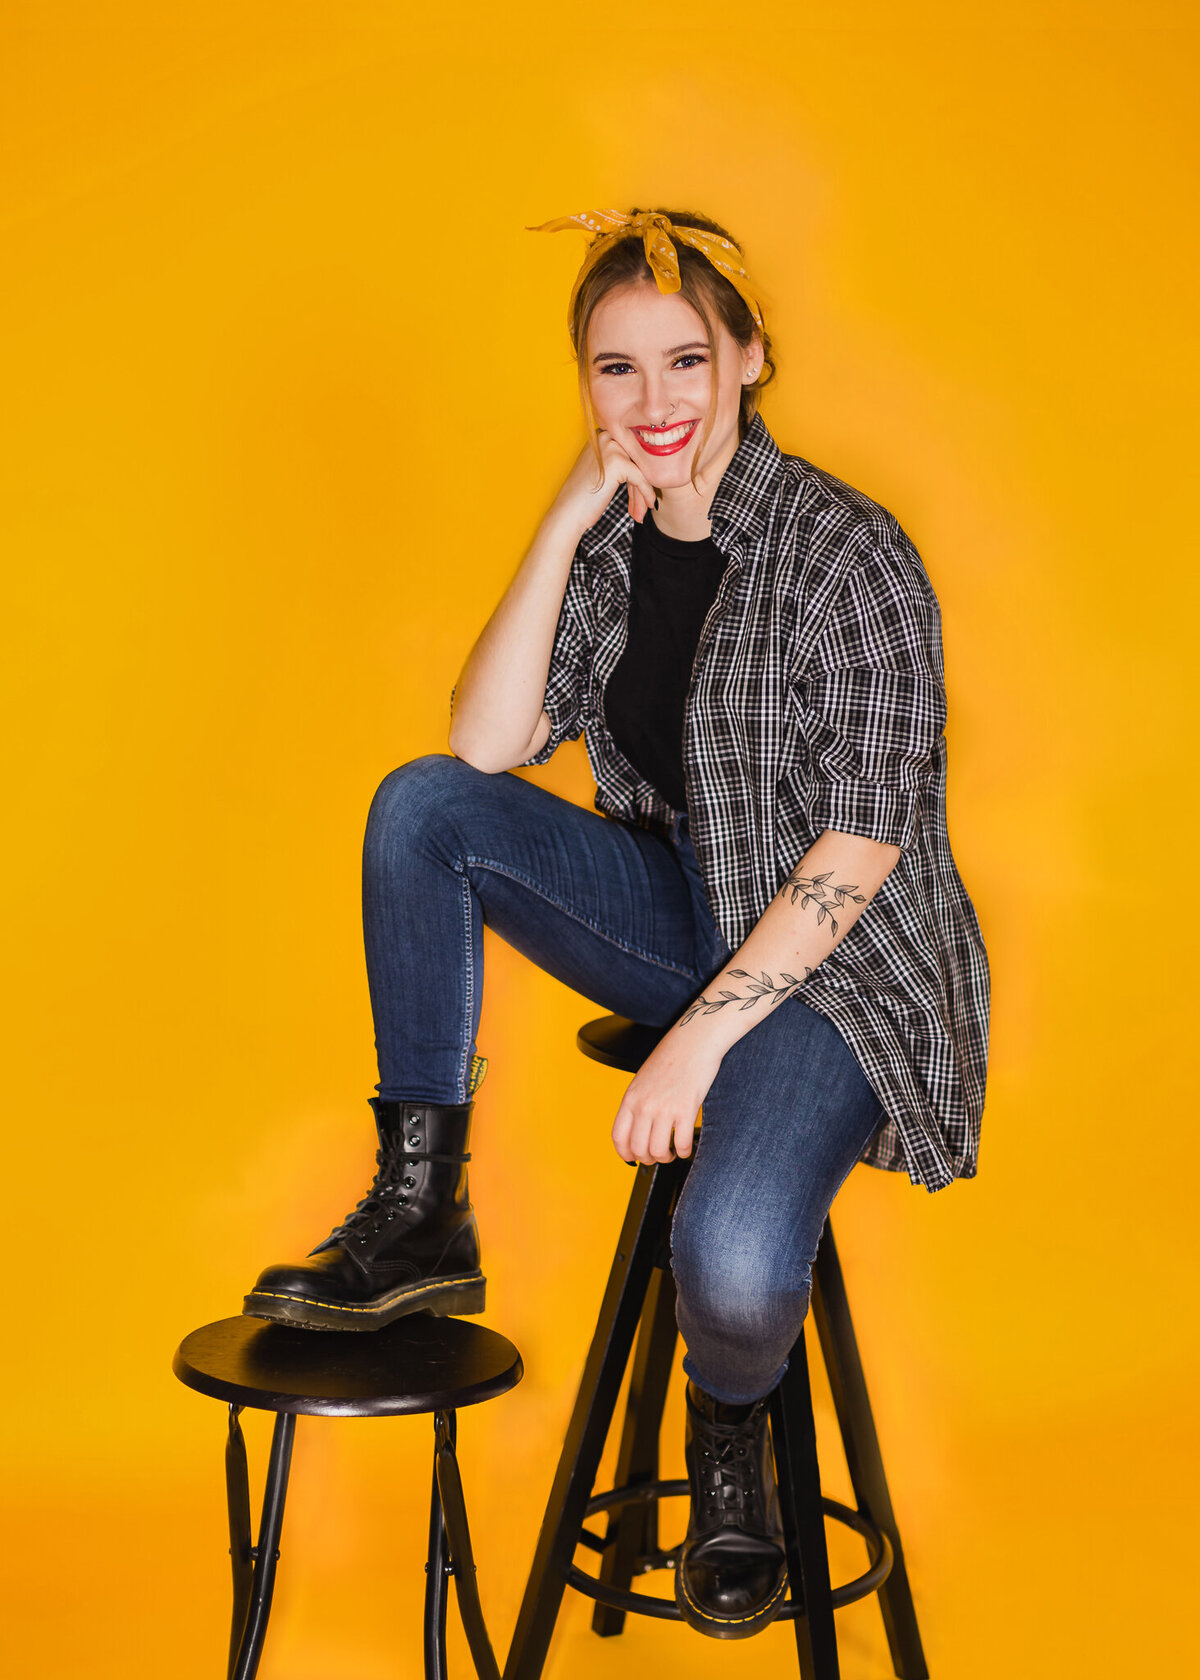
(747, 1000)
(816, 890)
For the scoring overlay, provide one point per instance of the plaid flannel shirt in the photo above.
(817, 701)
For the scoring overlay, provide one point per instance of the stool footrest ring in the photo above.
(879, 1549)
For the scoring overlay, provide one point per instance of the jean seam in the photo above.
(469, 991)
(582, 921)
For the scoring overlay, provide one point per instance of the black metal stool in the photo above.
(416, 1364)
(641, 1291)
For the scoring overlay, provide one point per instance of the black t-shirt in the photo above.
(673, 585)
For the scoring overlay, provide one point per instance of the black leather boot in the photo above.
(732, 1571)
(411, 1244)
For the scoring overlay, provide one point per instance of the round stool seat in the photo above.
(415, 1364)
(618, 1042)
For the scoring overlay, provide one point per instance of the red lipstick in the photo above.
(669, 448)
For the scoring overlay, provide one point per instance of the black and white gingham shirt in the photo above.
(817, 702)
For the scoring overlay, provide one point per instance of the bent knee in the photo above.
(420, 788)
(731, 1282)
(740, 1300)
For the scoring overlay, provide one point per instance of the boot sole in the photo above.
(443, 1298)
(727, 1627)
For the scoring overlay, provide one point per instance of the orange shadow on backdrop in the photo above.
(288, 390)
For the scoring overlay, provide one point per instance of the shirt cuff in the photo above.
(889, 815)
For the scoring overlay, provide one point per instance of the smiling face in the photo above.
(650, 379)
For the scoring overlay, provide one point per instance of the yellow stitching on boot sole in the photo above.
(731, 1621)
(334, 1306)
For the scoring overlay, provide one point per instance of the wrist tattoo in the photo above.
(747, 999)
(815, 889)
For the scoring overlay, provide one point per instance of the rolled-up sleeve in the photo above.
(872, 700)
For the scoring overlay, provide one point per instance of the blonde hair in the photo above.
(710, 295)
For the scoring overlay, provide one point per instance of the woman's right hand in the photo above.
(580, 502)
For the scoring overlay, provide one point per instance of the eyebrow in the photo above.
(610, 355)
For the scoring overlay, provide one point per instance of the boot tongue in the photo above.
(720, 1411)
(389, 1124)
(724, 1412)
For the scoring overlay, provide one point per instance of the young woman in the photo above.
(754, 651)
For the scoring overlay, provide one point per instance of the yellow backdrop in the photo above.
(287, 390)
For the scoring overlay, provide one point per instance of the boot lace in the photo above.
(731, 1465)
(387, 1196)
(383, 1198)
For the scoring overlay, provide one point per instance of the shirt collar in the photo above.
(739, 507)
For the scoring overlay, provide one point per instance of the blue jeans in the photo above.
(619, 915)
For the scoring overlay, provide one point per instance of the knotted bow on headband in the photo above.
(657, 233)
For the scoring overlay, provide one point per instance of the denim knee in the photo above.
(733, 1287)
(420, 792)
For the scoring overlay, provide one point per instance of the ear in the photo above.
(753, 363)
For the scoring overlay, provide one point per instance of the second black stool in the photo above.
(641, 1292)
(416, 1364)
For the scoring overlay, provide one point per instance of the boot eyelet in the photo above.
(403, 1200)
(414, 1142)
(409, 1182)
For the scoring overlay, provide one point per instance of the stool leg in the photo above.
(244, 1665)
(632, 1532)
(458, 1535)
(794, 1437)
(645, 1221)
(437, 1583)
(839, 1347)
(237, 1491)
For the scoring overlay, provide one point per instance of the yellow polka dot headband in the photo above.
(658, 233)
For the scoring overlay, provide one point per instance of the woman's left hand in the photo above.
(662, 1101)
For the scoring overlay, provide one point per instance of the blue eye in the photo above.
(690, 357)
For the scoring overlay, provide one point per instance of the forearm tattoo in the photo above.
(747, 999)
(815, 889)
(809, 889)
